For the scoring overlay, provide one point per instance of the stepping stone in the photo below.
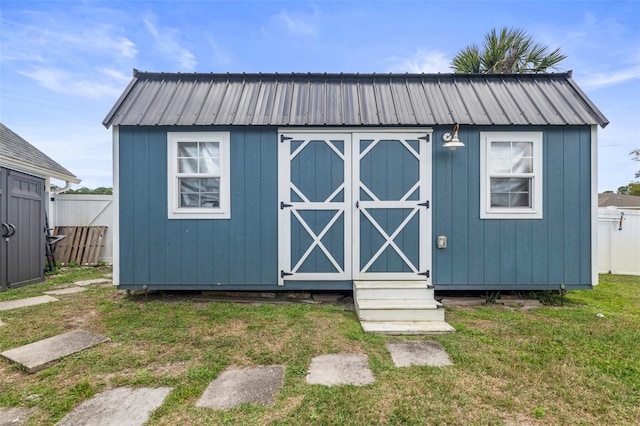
(40, 355)
(30, 301)
(405, 354)
(120, 406)
(90, 282)
(340, 369)
(463, 301)
(254, 385)
(15, 416)
(69, 290)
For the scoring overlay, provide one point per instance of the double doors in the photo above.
(354, 206)
(22, 242)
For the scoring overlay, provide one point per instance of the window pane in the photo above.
(189, 185)
(499, 200)
(501, 165)
(519, 185)
(210, 149)
(210, 185)
(519, 200)
(499, 185)
(210, 200)
(189, 200)
(210, 165)
(187, 165)
(522, 149)
(500, 149)
(522, 165)
(188, 149)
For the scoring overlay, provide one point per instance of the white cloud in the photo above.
(62, 81)
(602, 79)
(300, 24)
(422, 61)
(166, 43)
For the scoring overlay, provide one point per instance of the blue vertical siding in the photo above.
(241, 252)
(197, 254)
(514, 254)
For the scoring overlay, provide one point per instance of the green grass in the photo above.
(553, 365)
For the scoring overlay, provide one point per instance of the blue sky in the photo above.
(64, 64)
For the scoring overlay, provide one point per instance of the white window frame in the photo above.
(173, 187)
(488, 212)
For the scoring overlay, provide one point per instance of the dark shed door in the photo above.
(23, 246)
(4, 229)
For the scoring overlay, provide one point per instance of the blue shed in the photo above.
(341, 181)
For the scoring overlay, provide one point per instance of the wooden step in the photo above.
(365, 290)
(399, 310)
(407, 327)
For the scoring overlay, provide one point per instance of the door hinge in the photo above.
(426, 137)
(425, 204)
(284, 138)
(284, 274)
(426, 273)
(283, 205)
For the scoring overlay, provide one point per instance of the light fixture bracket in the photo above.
(447, 137)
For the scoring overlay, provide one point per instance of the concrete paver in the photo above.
(340, 369)
(254, 385)
(120, 406)
(15, 416)
(91, 282)
(463, 301)
(40, 355)
(30, 301)
(405, 354)
(69, 290)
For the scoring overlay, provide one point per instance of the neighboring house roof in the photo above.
(619, 200)
(18, 154)
(353, 100)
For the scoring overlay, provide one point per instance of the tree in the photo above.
(84, 190)
(509, 51)
(635, 156)
(632, 189)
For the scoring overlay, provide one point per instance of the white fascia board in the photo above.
(594, 205)
(25, 167)
(116, 206)
(338, 129)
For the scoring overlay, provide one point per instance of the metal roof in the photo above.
(21, 155)
(353, 100)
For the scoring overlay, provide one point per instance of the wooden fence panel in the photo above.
(81, 245)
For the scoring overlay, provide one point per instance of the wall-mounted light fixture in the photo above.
(452, 142)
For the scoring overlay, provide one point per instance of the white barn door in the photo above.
(354, 206)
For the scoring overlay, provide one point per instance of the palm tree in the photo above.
(510, 51)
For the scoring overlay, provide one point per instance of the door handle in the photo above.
(13, 230)
(6, 233)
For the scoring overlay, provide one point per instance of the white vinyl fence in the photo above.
(85, 210)
(618, 241)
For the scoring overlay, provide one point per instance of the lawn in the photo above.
(552, 365)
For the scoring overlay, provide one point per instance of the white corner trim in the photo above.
(594, 205)
(116, 205)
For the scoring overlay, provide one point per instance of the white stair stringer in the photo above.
(399, 307)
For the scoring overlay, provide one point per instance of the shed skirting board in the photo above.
(511, 287)
(289, 286)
